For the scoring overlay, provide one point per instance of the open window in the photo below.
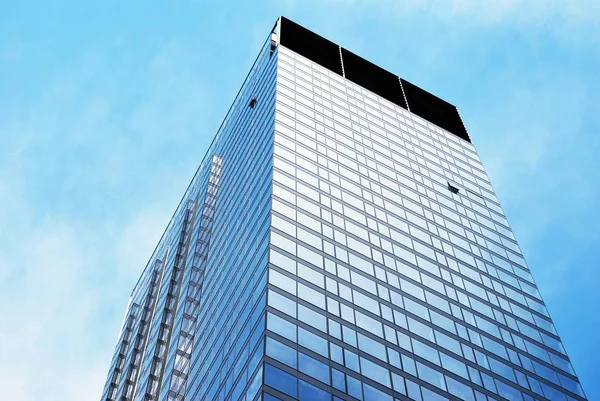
(253, 102)
(452, 188)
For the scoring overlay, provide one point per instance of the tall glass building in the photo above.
(339, 241)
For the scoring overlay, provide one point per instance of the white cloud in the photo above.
(83, 202)
(568, 20)
(493, 11)
(61, 283)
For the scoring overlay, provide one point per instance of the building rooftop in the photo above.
(372, 77)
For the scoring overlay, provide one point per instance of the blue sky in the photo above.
(106, 109)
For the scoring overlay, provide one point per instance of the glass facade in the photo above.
(334, 245)
(194, 328)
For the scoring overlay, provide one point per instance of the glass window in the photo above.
(351, 360)
(375, 372)
(494, 347)
(408, 365)
(310, 256)
(255, 384)
(431, 376)
(283, 261)
(414, 390)
(420, 329)
(511, 393)
(488, 382)
(369, 324)
(501, 369)
(281, 352)
(372, 394)
(280, 380)
(283, 243)
(313, 368)
(412, 289)
(545, 372)
(349, 336)
(282, 303)
(309, 392)
(365, 302)
(394, 358)
(312, 341)
(281, 281)
(438, 302)
(371, 347)
(361, 264)
(443, 322)
(398, 383)
(425, 351)
(283, 225)
(354, 387)
(429, 395)
(337, 353)
(571, 385)
(447, 342)
(312, 318)
(338, 380)
(281, 327)
(362, 282)
(416, 309)
(454, 365)
(335, 329)
(308, 294)
(310, 275)
(310, 239)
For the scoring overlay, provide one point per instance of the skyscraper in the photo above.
(339, 241)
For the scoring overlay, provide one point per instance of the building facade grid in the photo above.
(364, 225)
(334, 245)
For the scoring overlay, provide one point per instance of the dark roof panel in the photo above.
(310, 45)
(434, 109)
(373, 78)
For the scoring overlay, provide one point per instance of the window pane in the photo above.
(281, 327)
(281, 352)
(308, 392)
(313, 368)
(280, 380)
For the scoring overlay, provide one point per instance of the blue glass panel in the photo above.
(414, 390)
(308, 392)
(398, 383)
(338, 380)
(371, 347)
(254, 385)
(354, 387)
(281, 380)
(282, 303)
(281, 352)
(431, 376)
(313, 318)
(508, 392)
(281, 327)
(373, 394)
(459, 390)
(351, 360)
(375, 372)
(429, 395)
(312, 342)
(454, 365)
(313, 368)
(337, 355)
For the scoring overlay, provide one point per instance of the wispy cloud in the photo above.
(493, 11)
(77, 221)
